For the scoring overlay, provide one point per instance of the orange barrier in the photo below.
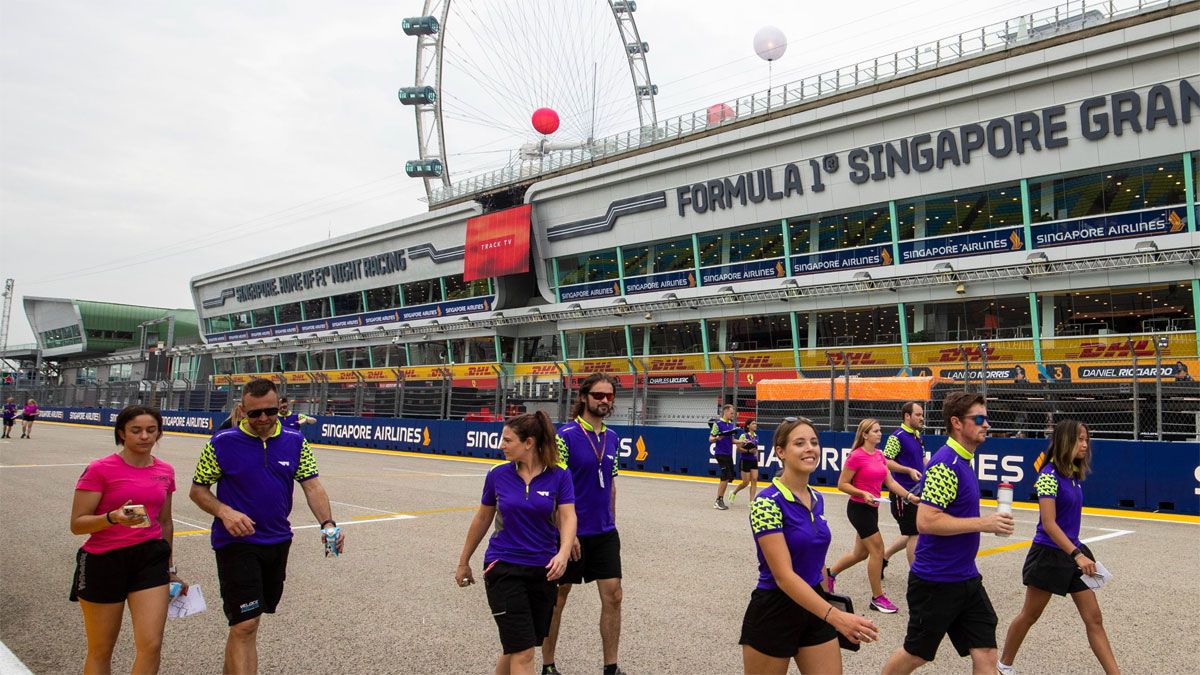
(861, 389)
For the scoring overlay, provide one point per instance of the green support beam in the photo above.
(442, 285)
(787, 250)
(554, 281)
(1027, 219)
(1189, 183)
(795, 338)
(1035, 318)
(1196, 308)
(903, 321)
(562, 339)
(449, 352)
(704, 341)
(621, 269)
(895, 222)
(628, 340)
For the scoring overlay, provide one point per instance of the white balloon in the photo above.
(770, 43)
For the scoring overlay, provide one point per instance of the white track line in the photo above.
(10, 664)
(191, 525)
(364, 508)
(1110, 535)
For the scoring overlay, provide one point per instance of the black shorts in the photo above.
(960, 609)
(864, 518)
(905, 515)
(748, 462)
(776, 626)
(8, 421)
(251, 577)
(725, 462)
(29, 418)
(522, 602)
(112, 576)
(599, 558)
(1053, 571)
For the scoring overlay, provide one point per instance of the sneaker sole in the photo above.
(881, 610)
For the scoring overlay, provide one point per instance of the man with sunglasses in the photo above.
(945, 590)
(588, 449)
(253, 466)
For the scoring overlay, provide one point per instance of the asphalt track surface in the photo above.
(390, 605)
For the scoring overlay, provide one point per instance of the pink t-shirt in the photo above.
(117, 483)
(30, 410)
(869, 472)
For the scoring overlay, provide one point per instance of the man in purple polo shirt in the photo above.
(721, 436)
(905, 453)
(588, 449)
(253, 466)
(945, 591)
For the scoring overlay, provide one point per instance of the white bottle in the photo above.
(1004, 500)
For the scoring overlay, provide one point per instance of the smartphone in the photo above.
(137, 510)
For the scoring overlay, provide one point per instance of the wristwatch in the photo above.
(172, 570)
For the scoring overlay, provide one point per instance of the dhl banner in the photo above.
(613, 365)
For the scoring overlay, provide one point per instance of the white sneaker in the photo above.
(1005, 670)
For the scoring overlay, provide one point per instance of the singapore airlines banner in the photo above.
(497, 244)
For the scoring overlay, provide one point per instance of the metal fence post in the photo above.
(966, 356)
(400, 387)
(846, 395)
(1137, 404)
(359, 386)
(829, 359)
(645, 392)
(737, 384)
(446, 393)
(501, 390)
(983, 371)
(1159, 345)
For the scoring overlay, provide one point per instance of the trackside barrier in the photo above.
(1145, 476)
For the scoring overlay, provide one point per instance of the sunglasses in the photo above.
(979, 420)
(255, 414)
(602, 395)
(803, 420)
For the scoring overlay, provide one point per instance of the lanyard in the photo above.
(599, 451)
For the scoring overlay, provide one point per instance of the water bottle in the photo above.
(1004, 500)
(174, 589)
(331, 538)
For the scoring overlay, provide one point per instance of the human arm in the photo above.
(896, 490)
(714, 434)
(208, 472)
(897, 467)
(941, 488)
(566, 537)
(318, 503)
(1047, 491)
(479, 527)
(891, 450)
(856, 628)
(85, 520)
(845, 484)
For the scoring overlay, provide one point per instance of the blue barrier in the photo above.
(1145, 475)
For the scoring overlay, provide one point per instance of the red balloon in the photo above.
(545, 121)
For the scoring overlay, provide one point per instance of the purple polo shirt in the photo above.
(292, 421)
(1067, 494)
(905, 447)
(591, 457)
(255, 477)
(725, 432)
(806, 533)
(526, 531)
(950, 485)
(747, 437)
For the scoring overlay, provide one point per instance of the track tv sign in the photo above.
(1050, 128)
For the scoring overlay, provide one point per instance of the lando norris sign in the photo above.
(1120, 113)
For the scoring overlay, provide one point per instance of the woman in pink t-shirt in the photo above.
(28, 417)
(127, 557)
(863, 477)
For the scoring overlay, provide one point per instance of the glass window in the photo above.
(223, 366)
(61, 337)
(323, 360)
(240, 320)
(347, 303)
(1157, 309)
(667, 338)
(800, 234)
(355, 357)
(842, 328)
(968, 320)
(220, 324)
(430, 353)
(538, 348)
(289, 313)
(383, 356)
(480, 350)
(508, 346)
(840, 229)
(756, 243)
(386, 297)
(246, 364)
(263, 317)
(1112, 190)
(289, 362)
(596, 343)
(754, 333)
(965, 211)
(421, 292)
(587, 267)
(317, 308)
(637, 260)
(457, 289)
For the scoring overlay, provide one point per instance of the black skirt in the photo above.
(1053, 571)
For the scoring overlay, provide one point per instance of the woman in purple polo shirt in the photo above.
(535, 499)
(1057, 560)
(788, 617)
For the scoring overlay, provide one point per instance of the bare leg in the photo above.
(753, 484)
(822, 659)
(874, 546)
(911, 550)
(755, 662)
(721, 488)
(848, 560)
(610, 617)
(520, 663)
(241, 648)
(742, 485)
(102, 625)
(1031, 611)
(148, 609)
(895, 547)
(551, 641)
(902, 663)
(983, 661)
(1089, 611)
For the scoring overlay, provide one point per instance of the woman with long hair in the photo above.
(747, 460)
(123, 501)
(28, 416)
(863, 476)
(535, 500)
(1057, 560)
(788, 617)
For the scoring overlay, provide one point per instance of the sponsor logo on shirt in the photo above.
(543, 493)
(284, 462)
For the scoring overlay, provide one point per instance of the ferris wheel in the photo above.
(485, 67)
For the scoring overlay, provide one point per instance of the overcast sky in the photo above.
(142, 143)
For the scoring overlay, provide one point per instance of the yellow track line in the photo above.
(1026, 506)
